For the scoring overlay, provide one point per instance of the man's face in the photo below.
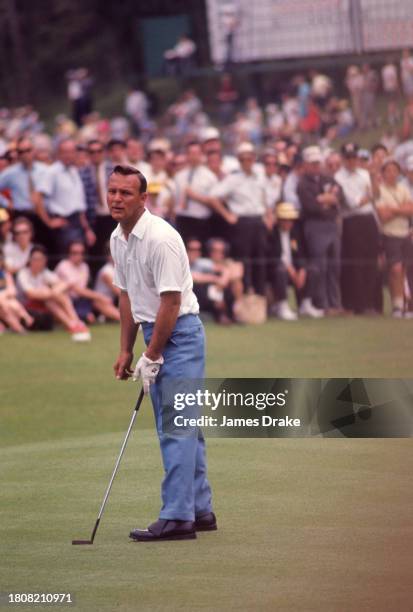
(135, 151)
(194, 155)
(391, 173)
(378, 157)
(96, 153)
(246, 161)
(67, 153)
(313, 168)
(194, 250)
(117, 154)
(212, 146)
(25, 152)
(124, 199)
(351, 163)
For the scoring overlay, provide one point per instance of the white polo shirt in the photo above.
(152, 261)
(63, 189)
(355, 185)
(244, 193)
(201, 180)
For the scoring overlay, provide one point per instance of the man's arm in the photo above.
(128, 331)
(164, 324)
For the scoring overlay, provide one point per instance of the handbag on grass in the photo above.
(251, 308)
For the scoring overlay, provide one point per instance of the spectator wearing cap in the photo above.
(321, 199)
(395, 210)
(95, 178)
(360, 236)
(193, 204)
(156, 175)
(211, 145)
(65, 201)
(244, 193)
(291, 268)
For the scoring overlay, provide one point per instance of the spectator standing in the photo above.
(289, 188)
(390, 80)
(244, 193)
(95, 178)
(360, 236)
(136, 107)
(369, 96)
(395, 210)
(65, 200)
(135, 154)
(356, 85)
(193, 202)
(22, 181)
(321, 199)
(406, 70)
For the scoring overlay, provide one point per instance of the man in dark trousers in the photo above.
(321, 199)
(152, 272)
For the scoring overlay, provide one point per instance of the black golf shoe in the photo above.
(206, 522)
(163, 529)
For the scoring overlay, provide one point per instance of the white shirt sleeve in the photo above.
(224, 188)
(45, 182)
(167, 267)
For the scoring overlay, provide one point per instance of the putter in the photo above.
(95, 528)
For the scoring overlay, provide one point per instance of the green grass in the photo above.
(305, 524)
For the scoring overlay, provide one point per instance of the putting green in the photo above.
(316, 524)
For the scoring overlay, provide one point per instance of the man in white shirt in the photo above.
(193, 203)
(65, 200)
(152, 272)
(245, 195)
(360, 237)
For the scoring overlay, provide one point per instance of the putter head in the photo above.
(80, 542)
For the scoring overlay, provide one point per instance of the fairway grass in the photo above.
(304, 524)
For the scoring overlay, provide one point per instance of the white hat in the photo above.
(409, 163)
(312, 154)
(159, 144)
(210, 133)
(245, 147)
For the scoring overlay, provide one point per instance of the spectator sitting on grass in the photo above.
(104, 279)
(230, 272)
(208, 285)
(43, 291)
(11, 311)
(74, 271)
(17, 253)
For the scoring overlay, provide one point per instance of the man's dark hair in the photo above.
(38, 248)
(192, 143)
(115, 142)
(128, 171)
(379, 147)
(94, 141)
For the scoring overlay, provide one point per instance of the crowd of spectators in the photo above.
(264, 202)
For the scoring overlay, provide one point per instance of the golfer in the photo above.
(152, 272)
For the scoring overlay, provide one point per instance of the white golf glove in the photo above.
(147, 370)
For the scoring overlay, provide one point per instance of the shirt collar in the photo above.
(139, 227)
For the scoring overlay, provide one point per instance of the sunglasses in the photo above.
(17, 232)
(194, 248)
(22, 151)
(93, 151)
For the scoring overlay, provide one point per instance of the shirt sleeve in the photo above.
(167, 267)
(23, 280)
(44, 183)
(119, 279)
(223, 189)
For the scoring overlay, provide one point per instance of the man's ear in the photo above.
(144, 197)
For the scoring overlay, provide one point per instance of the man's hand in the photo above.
(122, 366)
(56, 223)
(148, 370)
(90, 237)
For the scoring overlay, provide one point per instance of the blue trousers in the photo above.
(186, 493)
